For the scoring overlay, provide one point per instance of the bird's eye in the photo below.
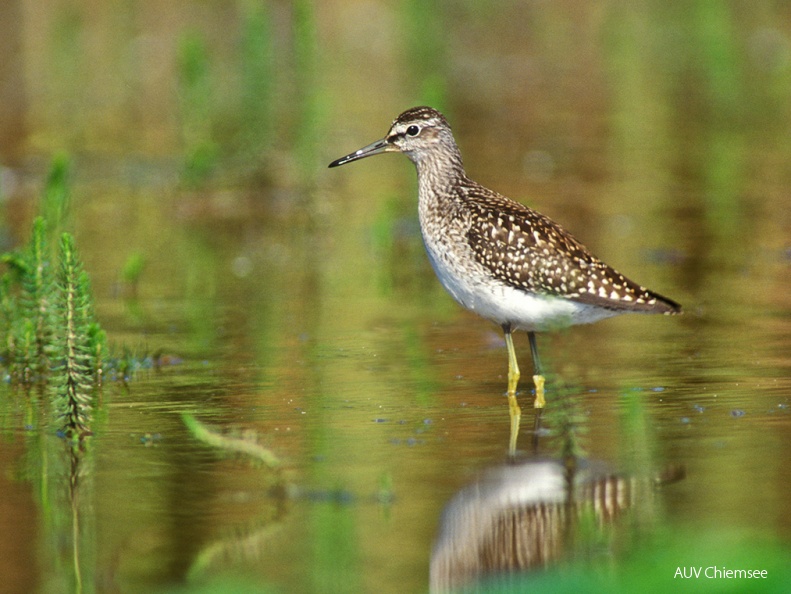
(413, 130)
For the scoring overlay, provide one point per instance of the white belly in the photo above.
(473, 288)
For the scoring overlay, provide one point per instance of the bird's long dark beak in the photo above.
(380, 146)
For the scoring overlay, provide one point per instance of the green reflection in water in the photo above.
(683, 110)
(67, 542)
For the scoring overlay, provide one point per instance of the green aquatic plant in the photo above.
(51, 337)
(196, 102)
(27, 296)
(28, 290)
(246, 445)
(79, 343)
(7, 313)
(131, 273)
(56, 198)
(38, 292)
(308, 104)
(256, 79)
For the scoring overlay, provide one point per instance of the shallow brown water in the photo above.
(296, 303)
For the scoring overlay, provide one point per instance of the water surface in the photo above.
(294, 304)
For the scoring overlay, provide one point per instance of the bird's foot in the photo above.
(538, 380)
(516, 416)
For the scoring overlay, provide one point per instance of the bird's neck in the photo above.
(438, 173)
(438, 198)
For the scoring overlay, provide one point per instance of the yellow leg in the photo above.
(513, 380)
(538, 377)
(538, 380)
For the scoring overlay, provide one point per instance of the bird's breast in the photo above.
(473, 286)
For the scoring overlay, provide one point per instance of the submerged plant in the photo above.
(246, 445)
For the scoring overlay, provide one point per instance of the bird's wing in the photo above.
(529, 251)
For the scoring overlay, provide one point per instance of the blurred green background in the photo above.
(296, 301)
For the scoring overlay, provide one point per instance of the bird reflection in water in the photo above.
(518, 517)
